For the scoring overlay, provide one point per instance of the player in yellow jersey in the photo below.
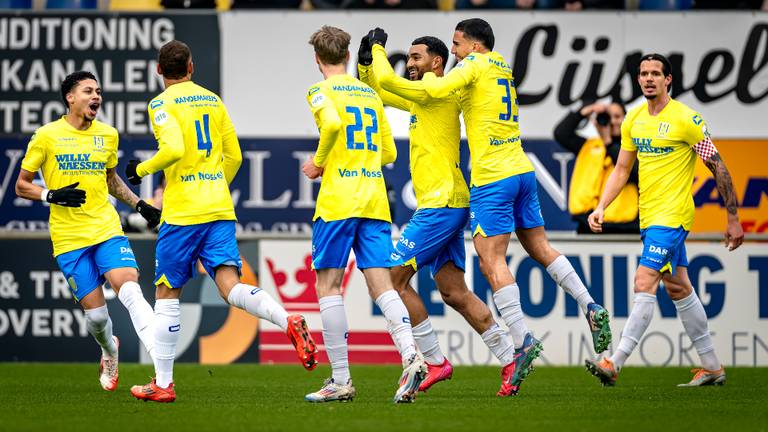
(665, 136)
(503, 196)
(200, 155)
(77, 155)
(353, 213)
(434, 237)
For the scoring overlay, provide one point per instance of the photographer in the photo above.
(595, 159)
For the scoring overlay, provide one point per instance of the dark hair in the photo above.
(435, 46)
(477, 29)
(666, 66)
(173, 59)
(71, 82)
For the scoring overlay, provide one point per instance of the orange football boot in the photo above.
(298, 333)
(151, 392)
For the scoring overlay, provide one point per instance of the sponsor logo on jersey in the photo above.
(78, 162)
(644, 145)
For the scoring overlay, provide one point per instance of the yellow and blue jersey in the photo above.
(664, 145)
(490, 108)
(434, 132)
(199, 152)
(66, 155)
(355, 142)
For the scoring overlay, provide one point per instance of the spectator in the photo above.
(730, 4)
(577, 5)
(509, 4)
(595, 159)
(266, 4)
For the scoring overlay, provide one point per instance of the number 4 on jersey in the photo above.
(204, 142)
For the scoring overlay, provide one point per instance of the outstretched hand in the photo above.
(364, 55)
(377, 36)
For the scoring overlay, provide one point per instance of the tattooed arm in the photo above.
(734, 234)
(118, 189)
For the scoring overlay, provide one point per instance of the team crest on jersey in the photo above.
(98, 142)
(663, 129)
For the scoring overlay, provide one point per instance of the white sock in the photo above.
(259, 303)
(498, 341)
(694, 319)
(142, 315)
(99, 325)
(564, 275)
(426, 340)
(507, 300)
(335, 332)
(167, 331)
(637, 323)
(398, 323)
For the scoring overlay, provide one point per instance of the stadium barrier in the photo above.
(40, 322)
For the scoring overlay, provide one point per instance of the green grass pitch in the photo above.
(59, 397)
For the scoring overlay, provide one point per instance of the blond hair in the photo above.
(331, 44)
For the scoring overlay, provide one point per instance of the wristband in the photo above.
(44, 195)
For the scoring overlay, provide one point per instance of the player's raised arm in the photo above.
(230, 148)
(365, 70)
(407, 90)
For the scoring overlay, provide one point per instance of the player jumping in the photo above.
(503, 196)
(78, 155)
(434, 237)
(665, 136)
(200, 154)
(353, 213)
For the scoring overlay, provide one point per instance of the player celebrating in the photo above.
(665, 136)
(200, 153)
(78, 155)
(503, 197)
(353, 212)
(434, 236)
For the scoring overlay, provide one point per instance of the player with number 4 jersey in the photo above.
(200, 154)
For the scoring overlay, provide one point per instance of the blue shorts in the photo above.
(504, 205)
(84, 268)
(433, 237)
(370, 238)
(180, 246)
(664, 248)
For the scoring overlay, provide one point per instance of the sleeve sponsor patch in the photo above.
(157, 103)
(160, 117)
(317, 100)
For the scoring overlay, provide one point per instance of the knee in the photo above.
(677, 291)
(644, 284)
(97, 317)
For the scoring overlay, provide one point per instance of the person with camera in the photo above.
(595, 159)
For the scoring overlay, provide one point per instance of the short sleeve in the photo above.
(35, 156)
(695, 129)
(112, 158)
(626, 135)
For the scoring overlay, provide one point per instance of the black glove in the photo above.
(364, 56)
(67, 196)
(148, 212)
(130, 172)
(377, 36)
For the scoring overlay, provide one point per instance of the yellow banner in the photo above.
(747, 161)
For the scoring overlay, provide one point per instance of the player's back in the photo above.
(666, 161)
(490, 109)
(353, 183)
(197, 189)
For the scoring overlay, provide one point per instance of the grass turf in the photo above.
(260, 397)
